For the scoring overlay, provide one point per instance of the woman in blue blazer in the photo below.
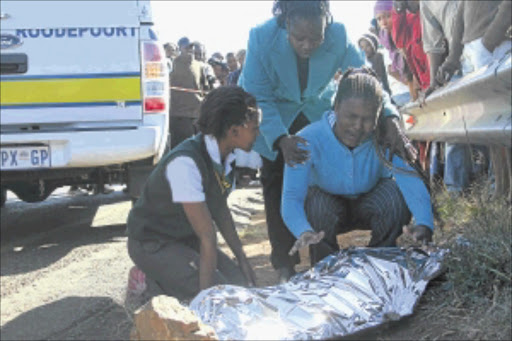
(289, 68)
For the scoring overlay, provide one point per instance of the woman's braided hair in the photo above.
(225, 107)
(361, 83)
(285, 10)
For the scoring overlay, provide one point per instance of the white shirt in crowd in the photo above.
(186, 181)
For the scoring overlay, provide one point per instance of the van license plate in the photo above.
(24, 157)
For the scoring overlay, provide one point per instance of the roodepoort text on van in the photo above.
(76, 32)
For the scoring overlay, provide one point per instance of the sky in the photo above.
(224, 25)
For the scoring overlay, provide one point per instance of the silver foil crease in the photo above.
(346, 292)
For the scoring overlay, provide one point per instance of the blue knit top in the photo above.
(336, 169)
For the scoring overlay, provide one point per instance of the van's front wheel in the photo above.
(32, 191)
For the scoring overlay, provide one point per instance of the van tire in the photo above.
(31, 192)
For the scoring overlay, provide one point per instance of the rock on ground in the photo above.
(164, 318)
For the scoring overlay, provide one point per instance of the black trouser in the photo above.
(281, 239)
(383, 210)
(174, 266)
(181, 128)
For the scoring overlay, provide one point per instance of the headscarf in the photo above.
(383, 6)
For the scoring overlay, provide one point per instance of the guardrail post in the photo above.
(501, 162)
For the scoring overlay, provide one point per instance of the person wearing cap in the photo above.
(369, 43)
(187, 89)
(221, 71)
(218, 56)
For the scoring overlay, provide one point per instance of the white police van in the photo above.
(84, 95)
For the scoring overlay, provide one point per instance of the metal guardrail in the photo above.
(475, 109)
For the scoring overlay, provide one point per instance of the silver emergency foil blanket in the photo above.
(346, 292)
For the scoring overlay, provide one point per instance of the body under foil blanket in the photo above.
(345, 293)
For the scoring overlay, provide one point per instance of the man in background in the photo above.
(171, 51)
(232, 62)
(233, 76)
(186, 93)
(208, 76)
(444, 50)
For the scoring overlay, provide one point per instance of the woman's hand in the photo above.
(394, 139)
(306, 238)
(420, 233)
(248, 272)
(292, 153)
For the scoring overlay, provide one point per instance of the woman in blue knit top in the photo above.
(347, 183)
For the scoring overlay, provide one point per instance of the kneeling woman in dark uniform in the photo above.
(171, 233)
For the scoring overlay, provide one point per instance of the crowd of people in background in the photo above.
(192, 76)
(429, 44)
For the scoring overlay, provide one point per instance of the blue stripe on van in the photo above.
(68, 105)
(78, 75)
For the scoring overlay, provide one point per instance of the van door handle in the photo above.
(12, 63)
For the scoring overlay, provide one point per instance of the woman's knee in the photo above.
(384, 208)
(324, 211)
(384, 232)
(386, 198)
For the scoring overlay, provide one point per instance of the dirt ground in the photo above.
(64, 267)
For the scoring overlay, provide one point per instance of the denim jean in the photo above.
(457, 166)
(434, 164)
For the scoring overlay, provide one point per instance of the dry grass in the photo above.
(473, 298)
(479, 270)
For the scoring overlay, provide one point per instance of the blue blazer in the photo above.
(270, 74)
